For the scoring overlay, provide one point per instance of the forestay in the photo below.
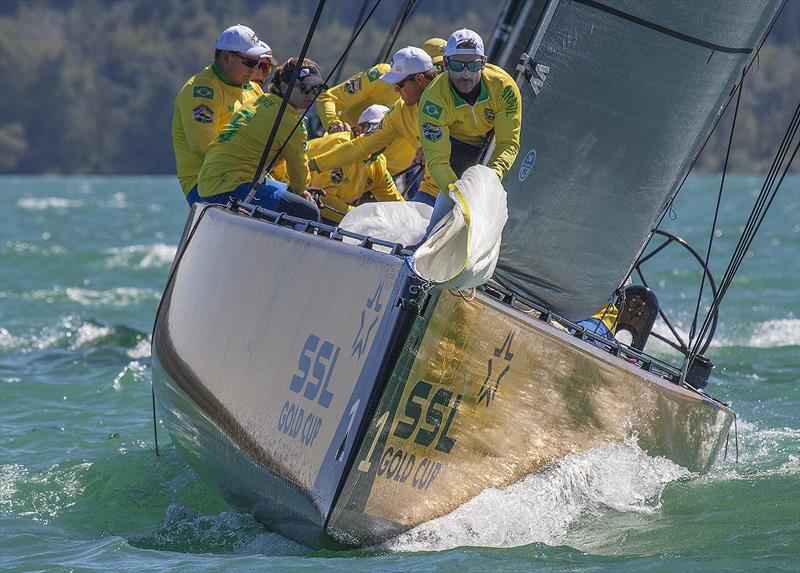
(622, 96)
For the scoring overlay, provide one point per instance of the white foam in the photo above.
(158, 255)
(141, 350)
(88, 333)
(54, 490)
(119, 296)
(134, 370)
(541, 507)
(42, 203)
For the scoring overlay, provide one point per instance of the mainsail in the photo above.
(620, 96)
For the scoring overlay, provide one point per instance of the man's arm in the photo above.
(296, 160)
(382, 187)
(506, 130)
(349, 93)
(199, 116)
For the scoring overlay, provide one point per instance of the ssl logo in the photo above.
(527, 165)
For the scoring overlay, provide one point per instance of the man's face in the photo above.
(464, 80)
(411, 88)
(238, 68)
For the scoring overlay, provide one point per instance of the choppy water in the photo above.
(83, 261)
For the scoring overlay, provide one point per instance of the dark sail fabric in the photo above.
(627, 92)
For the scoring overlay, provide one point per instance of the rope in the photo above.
(350, 41)
(693, 329)
(404, 14)
(303, 117)
(284, 102)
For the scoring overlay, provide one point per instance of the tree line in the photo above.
(89, 84)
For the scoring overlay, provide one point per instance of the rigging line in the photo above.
(284, 102)
(392, 33)
(336, 65)
(724, 289)
(693, 329)
(410, 5)
(339, 71)
(759, 211)
(662, 29)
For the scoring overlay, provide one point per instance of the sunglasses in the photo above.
(473, 66)
(399, 85)
(306, 91)
(247, 62)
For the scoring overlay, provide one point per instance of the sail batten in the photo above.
(627, 91)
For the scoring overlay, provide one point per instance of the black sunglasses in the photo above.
(247, 61)
(310, 90)
(399, 85)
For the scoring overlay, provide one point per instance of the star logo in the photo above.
(370, 314)
(499, 362)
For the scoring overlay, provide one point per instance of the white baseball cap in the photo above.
(407, 62)
(242, 39)
(373, 114)
(268, 54)
(459, 37)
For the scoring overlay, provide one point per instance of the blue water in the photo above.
(82, 264)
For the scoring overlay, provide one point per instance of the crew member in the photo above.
(461, 110)
(411, 71)
(233, 157)
(435, 47)
(207, 100)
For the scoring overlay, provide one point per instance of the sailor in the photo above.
(603, 323)
(345, 185)
(207, 100)
(233, 157)
(461, 110)
(340, 106)
(435, 47)
(411, 72)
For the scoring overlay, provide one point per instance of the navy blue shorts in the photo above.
(272, 195)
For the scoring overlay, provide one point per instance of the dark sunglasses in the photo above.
(399, 85)
(265, 67)
(306, 91)
(456, 66)
(247, 61)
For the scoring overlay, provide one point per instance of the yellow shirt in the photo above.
(345, 102)
(233, 157)
(443, 114)
(344, 185)
(400, 122)
(203, 106)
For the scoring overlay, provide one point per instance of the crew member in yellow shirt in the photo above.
(233, 157)
(208, 99)
(460, 111)
(411, 72)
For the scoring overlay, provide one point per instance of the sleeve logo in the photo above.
(337, 176)
(203, 114)
(203, 92)
(352, 86)
(488, 114)
(373, 74)
(431, 109)
(510, 99)
(431, 132)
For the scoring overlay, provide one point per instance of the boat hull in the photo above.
(318, 387)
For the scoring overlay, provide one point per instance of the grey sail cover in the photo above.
(627, 92)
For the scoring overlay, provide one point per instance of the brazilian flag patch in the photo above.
(373, 74)
(203, 92)
(431, 109)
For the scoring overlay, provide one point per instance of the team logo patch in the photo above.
(203, 114)
(431, 109)
(527, 165)
(431, 132)
(373, 74)
(337, 176)
(353, 86)
(203, 92)
(488, 114)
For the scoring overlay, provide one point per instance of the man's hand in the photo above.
(338, 126)
(419, 157)
(314, 195)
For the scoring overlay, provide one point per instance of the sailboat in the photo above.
(321, 385)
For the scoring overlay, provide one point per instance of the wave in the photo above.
(141, 256)
(41, 496)
(75, 333)
(117, 297)
(541, 507)
(115, 201)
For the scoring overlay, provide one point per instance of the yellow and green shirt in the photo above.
(345, 184)
(400, 122)
(443, 114)
(345, 102)
(233, 157)
(204, 104)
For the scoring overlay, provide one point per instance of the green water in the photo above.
(82, 264)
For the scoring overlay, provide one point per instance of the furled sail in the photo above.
(620, 97)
